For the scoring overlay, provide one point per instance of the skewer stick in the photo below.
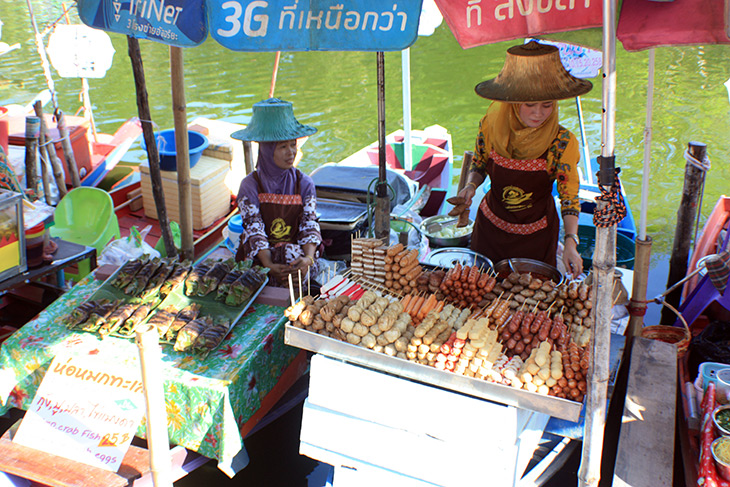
(291, 290)
(299, 272)
(309, 283)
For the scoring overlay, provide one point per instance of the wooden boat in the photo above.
(214, 180)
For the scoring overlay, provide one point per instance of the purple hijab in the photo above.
(274, 179)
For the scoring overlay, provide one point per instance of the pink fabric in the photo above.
(643, 24)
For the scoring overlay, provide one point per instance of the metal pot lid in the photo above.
(447, 257)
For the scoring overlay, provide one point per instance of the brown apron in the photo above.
(517, 217)
(281, 214)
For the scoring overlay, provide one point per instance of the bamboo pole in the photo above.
(32, 125)
(73, 169)
(181, 144)
(61, 124)
(45, 176)
(50, 149)
(693, 178)
(153, 156)
(150, 357)
(382, 203)
(604, 262)
(637, 308)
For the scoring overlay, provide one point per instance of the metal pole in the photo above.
(604, 262)
(406, 75)
(382, 204)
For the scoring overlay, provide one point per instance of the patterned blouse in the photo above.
(562, 163)
(254, 238)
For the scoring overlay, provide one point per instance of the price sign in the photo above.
(85, 410)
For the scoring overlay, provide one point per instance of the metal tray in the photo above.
(554, 406)
(177, 298)
(447, 257)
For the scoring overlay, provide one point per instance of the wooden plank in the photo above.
(645, 455)
(55, 471)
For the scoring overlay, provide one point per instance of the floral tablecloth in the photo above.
(207, 399)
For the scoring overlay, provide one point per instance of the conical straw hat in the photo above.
(533, 72)
(273, 121)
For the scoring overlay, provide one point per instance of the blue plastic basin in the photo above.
(197, 143)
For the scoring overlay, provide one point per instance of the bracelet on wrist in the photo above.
(472, 184)
(311, 258)
(573, 237)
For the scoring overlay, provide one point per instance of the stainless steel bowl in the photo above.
(723, 468)
(504, 267)
(431, 225)
(720, 429)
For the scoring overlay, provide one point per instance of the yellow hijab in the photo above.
(511, 138)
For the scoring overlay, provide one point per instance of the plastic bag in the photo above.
(711, 345)
(121, 250)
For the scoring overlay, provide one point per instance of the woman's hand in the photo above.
(302, 264)
(280, 272)
(571, 258)
(468, 192)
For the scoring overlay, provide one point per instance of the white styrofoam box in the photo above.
(406, 452)
(528, 441)
(401, 403)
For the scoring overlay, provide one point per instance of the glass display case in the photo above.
(12, 235)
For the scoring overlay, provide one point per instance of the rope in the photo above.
(615, 209)
(704, 165)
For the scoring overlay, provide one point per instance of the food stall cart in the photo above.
(212, 402)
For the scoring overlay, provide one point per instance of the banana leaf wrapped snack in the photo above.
(131, 324)
(225, 285)
(98, 316)
(128, 271)
(195, 277)
(117, 318)
(245, 286)
(162, 319)
(184, 316)
(81, 313)
(158, 279)
(190, 333)
(214, 276)
(140, 280)
(176, 277)
(212, 336)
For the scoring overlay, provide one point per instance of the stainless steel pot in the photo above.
(505, 267)
(431, 225)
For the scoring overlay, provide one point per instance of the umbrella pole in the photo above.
(637, 308)
(382, 203)
(604, 262)
(153, 156)
(183, 157)
(406, 75)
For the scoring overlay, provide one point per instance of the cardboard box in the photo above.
(211, 198)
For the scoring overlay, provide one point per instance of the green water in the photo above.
(336, 92)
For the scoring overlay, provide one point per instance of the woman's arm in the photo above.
(571, 258)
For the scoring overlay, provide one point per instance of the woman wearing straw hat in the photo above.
(277, 201)
(523, 149)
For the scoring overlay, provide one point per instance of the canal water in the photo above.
(336, 92)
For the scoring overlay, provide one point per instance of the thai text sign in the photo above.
(176, 22)
(85, 410)
(314, 25)
(262, 25)
(477, 22)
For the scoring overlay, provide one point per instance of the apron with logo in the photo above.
(281, 214)
(517, 217)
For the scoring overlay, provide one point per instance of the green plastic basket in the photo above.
(624, 248)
